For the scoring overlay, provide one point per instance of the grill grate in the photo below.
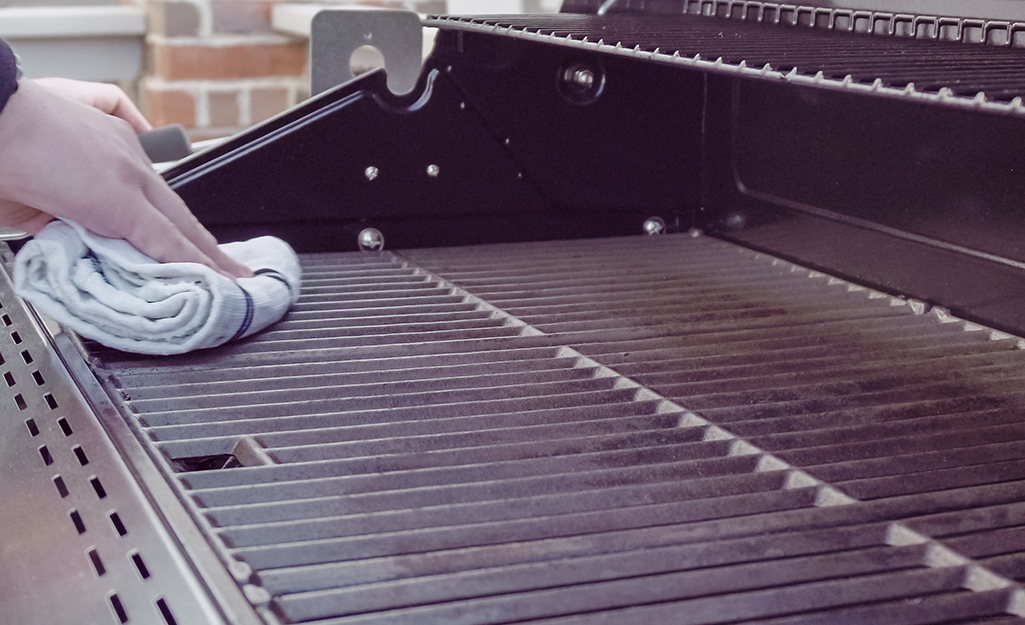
(901, 63)
(656, 429)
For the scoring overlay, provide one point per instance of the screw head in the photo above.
(371, 172)
(581, 84)
(433, 171)
(737, 220)
(584, 78)
(654, 225)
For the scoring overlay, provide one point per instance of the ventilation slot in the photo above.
(140, 566)
(97, 563)
(118, 524)
(76, 518)
(165, 612)
(119, 609)
(98, 487)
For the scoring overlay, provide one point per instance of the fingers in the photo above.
(150, 216)
(21, 217)
(110, 99)
(160, 224)
(113, 101)
(155, 236)
(124, 108)
(172, 208)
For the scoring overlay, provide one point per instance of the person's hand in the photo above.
(81, 160)
(106, 97)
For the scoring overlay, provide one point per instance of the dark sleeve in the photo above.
(8, 73)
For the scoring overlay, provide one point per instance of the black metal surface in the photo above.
(814, 175)
(852, 169)
(357, 157)
(592, 157)
(504, 171)
(520, 448)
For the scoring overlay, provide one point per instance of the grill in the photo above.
(795, 404)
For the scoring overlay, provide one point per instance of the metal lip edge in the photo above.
(743, 189)
(795, 11)
(986, 24)
(945, 96)
(208, 566)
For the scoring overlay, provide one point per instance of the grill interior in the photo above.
(637, 430)
(923, 59)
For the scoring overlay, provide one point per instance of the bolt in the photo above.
(584, 78)
(370, 239)
(654, 225)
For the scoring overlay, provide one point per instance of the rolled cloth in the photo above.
(108, 291)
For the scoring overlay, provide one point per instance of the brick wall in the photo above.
(217, 67)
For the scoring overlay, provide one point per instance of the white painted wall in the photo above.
(103, 43)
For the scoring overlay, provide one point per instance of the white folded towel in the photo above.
(108, 291)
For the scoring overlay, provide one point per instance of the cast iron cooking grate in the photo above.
(638, 430)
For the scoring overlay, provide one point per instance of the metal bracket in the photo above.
(337, 33)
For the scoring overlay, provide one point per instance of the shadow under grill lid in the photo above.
(657, 429)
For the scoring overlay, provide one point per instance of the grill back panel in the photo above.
(631, 430)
